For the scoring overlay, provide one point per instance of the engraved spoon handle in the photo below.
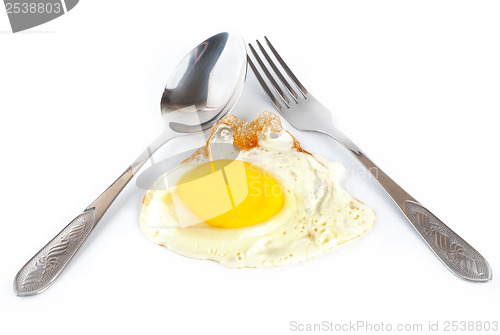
(455, 253)
(43, 268)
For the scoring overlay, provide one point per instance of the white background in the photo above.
(415, 84)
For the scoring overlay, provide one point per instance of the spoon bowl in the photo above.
(205, 85)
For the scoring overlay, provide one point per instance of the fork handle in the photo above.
(456, 254)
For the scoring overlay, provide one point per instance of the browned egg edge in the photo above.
(246, 133)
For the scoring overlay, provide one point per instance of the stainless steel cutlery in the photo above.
(299, 107)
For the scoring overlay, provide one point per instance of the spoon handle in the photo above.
(43, 268)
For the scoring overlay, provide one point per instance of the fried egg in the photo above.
(252, 197)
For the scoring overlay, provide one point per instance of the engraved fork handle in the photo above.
(43, 268)
(456, 254)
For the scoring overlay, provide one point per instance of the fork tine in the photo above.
(287, 69)
(278, 73)
(269, 76)
(264, 85)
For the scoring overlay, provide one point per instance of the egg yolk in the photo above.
(230, 194)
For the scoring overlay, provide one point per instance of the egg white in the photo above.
(317, 214)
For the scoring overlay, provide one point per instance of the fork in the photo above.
(305, 113)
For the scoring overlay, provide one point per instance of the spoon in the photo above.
(204, 87)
